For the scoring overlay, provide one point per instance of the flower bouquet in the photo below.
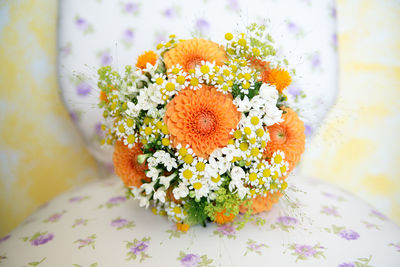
(203, 132)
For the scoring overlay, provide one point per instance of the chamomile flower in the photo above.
(187, 173)
(170, 88)
(199, 186)
(182, 151)
(216, 181)
(130, 140)
(195, 80)
(200, 165)
(277, 158)
(206, 71)
(175, 212)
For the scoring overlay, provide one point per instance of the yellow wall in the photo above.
(358, 147)
(41, 154)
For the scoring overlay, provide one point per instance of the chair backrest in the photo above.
(93, 33)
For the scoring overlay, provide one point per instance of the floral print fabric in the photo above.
(96, 33)
(97, 225)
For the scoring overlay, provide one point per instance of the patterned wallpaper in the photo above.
(41, 154)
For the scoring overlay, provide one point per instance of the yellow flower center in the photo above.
(200, 166)
(197, 185)
(252, 176)
(187, 174)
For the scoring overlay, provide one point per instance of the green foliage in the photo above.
(196, 212)
(252, 92)
(225, 201)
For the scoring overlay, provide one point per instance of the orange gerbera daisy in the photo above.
(261, 203)
(202, 119)
(190, 53)
(278, 77)
(221, 218)
(126, 165)
(146, 57)
(287, 136)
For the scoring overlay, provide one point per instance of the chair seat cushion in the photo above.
(316, 224)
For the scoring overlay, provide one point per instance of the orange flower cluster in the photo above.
(261, 203)
(190, 53)
(126, 165)
(259, 65)
(278, 77)
(147, 57)
(183, 227)
(221, 218)
(201, 118)
(287, 136)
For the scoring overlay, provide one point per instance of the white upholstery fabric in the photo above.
(94, 33)
(97, 224)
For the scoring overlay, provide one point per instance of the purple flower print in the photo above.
(89, 241)
(77, 199)
(119, 222)
(66, 50)
(141, 246)
(202, 26)
(330, 211)
(315, 61)
(330, 195)
(117, 200)
(160, 38)
(234, 5)
(253, 246)
(73, 116)
(128, 36)
(105, 58)
(138, 248)
(131, 7)
(396, 246)
(42, 239)
(226, 229)
(334, 40)
(308, 130)
(54, 217)
(378, 214)
(79, 222)
(294, 91)
(287, 220)
(305, 250)
(83, 88)
(98, 130)
(333, 12)
(190, 260)
(349, 234)
(114, 201)
(347, 264)
(4, 238)
(293, 28)
(170, 12)
(81, 23)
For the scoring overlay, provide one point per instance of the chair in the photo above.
(96, 225)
